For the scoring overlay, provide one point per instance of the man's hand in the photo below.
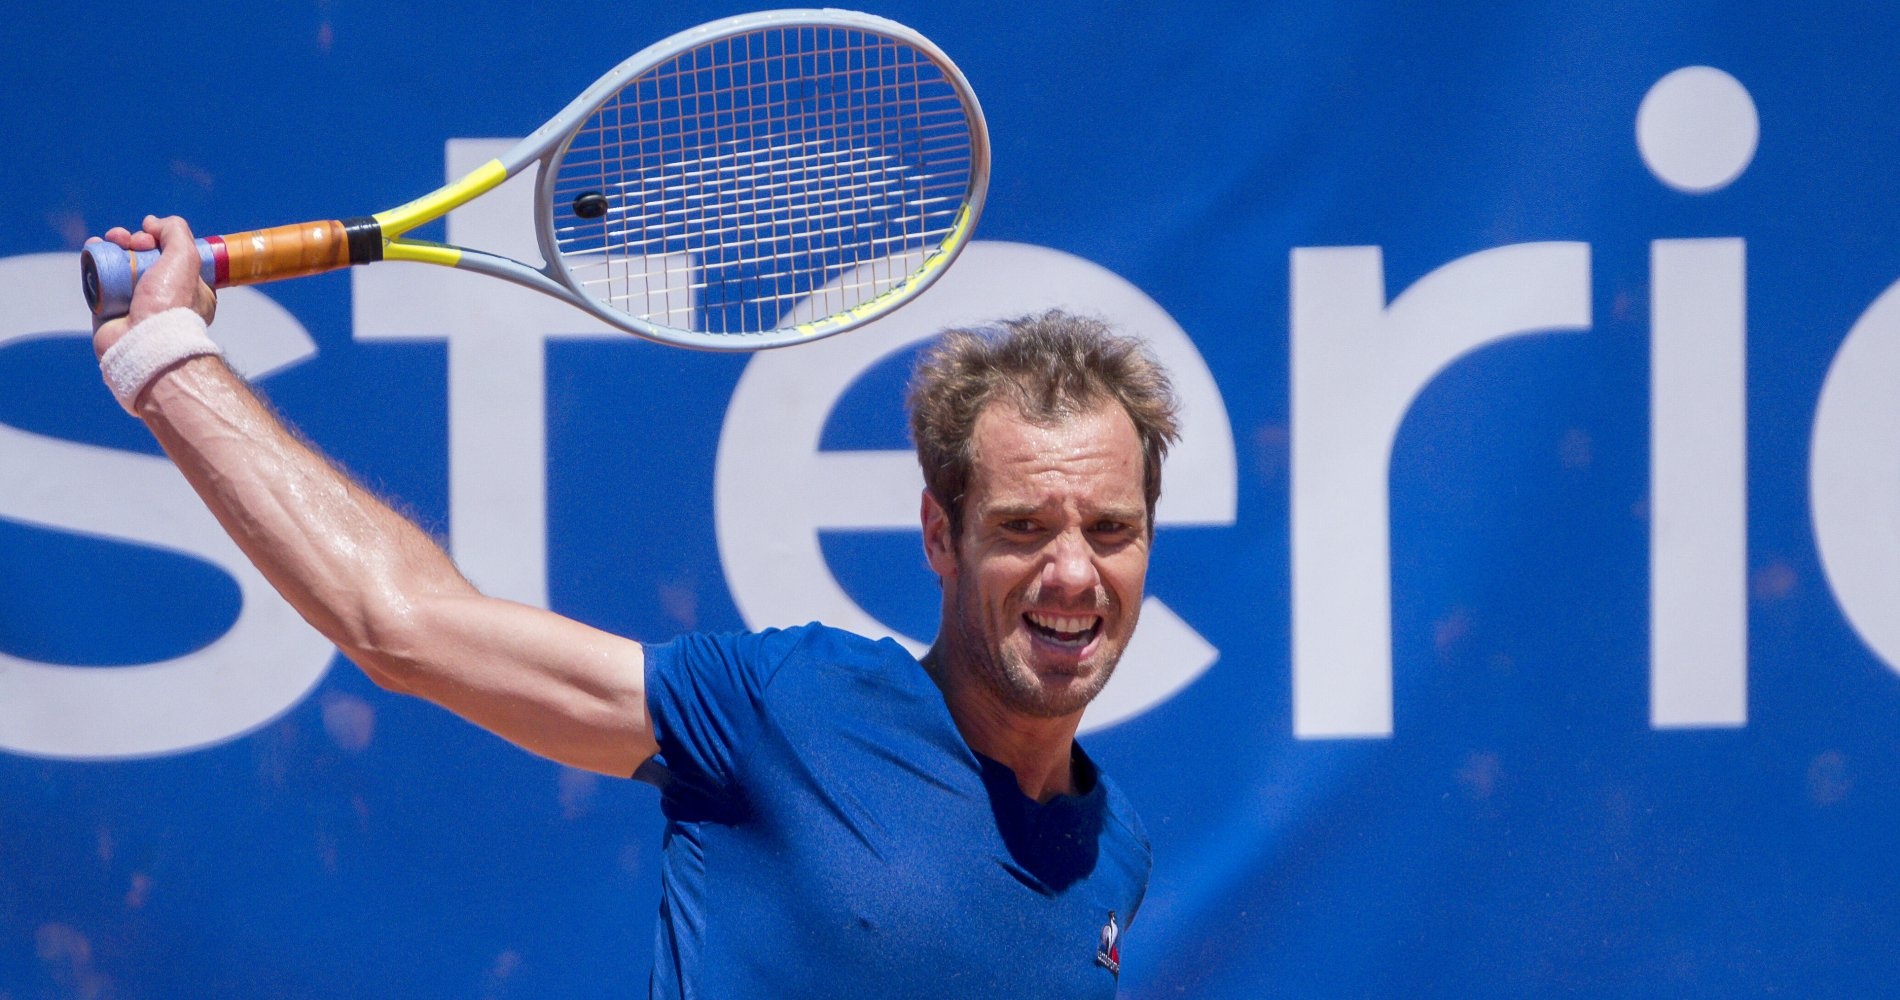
(173, 281)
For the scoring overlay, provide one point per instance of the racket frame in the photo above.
(545, 146)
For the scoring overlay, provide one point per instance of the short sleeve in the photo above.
(706, 696)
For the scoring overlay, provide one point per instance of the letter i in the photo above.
(1697, 130)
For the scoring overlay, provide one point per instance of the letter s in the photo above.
(265, 663)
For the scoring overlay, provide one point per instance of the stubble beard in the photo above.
(1006, 673)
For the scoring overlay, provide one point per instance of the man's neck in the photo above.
(1039, 751)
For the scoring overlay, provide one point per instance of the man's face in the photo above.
(1043, 583)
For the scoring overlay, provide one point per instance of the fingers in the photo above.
(153, 232)
(166, 231)
(174, 235)
(166, 227)
(120, 237)
(175, 279)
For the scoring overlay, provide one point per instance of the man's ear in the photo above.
(940, 546)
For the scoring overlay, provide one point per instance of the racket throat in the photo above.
(365, 237)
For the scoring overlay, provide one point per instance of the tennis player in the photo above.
(843, 819)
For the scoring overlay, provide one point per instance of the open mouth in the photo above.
(1064, 630)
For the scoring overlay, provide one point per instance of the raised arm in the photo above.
(362, 574)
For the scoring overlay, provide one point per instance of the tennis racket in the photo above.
(762, 180)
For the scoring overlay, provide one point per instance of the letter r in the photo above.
(1357, 365)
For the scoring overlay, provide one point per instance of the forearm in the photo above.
(354, 568)
(386, 593)
(368, 579)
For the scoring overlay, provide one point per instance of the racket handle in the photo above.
(108, 274)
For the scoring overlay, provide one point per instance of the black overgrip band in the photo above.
(366, 239)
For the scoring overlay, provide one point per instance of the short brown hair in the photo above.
(1047, 367)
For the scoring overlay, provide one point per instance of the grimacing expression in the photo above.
(1043, 584)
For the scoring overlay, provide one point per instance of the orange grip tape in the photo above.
(284, 252)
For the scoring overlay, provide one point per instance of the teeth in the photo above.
(1063, 623)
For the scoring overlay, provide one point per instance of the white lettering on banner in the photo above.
(1697, 131)
(496, 334)
(775, 490)
(1357, 365)
(1698, 484)
(1854, 476)
(262, 666)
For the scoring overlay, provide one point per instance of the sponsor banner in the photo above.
(1522, 619)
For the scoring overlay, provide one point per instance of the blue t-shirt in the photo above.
(829, 834)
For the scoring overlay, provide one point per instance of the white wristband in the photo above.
(151, 347)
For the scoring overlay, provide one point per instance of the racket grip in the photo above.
(108, 274)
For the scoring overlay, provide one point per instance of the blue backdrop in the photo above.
(1522, 615)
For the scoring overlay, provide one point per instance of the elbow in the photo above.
(381, 674)
(407, 643)
(389, 647)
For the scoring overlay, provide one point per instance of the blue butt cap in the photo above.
(105, 276)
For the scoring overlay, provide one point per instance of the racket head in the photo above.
(764, 180)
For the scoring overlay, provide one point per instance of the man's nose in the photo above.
(1070, 568)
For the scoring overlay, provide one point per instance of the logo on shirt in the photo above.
(1108, 954)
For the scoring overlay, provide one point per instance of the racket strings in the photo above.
(862, 185)
(777, 173)
(732, 167)
(635, 239)
(648, 232)
(676, 266)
